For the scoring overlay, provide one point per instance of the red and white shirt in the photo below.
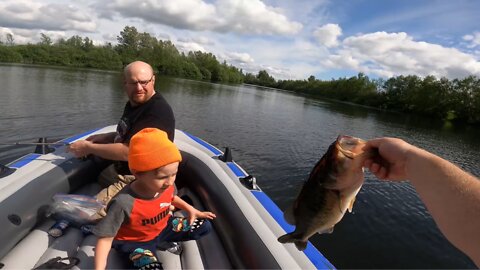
(132, 218)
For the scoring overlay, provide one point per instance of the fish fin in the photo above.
(350, 206)
(301, 245)
(286, 238)
(288, 215)
(340, 201)
(290, 238)
(329, 230)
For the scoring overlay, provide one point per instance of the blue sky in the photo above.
(289, 39)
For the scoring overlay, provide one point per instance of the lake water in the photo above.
(276, 136)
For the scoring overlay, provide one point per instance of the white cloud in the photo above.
(328, 34)
(189, 46)
(474, 39)
(240, 32)
(197, 39)
(109, 37)
(44, 16)
(344, 60)
(392, 54)
(164, 36)
(241, 16)
(237, 57)
(23, 36)
(4, 31)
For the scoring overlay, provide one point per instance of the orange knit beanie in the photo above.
(150, 149)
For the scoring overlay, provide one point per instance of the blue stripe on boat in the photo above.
(24, 160)
(311, 252)
(76, 137)
(236, 169)
(204, 144)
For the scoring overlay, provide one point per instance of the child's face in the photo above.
(160, 179)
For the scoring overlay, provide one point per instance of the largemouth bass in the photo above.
(329, 191)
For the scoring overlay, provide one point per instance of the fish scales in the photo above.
(329, 191)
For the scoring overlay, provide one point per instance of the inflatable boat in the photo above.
(245, 231)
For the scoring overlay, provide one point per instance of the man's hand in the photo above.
(392, 160)
(80, 148)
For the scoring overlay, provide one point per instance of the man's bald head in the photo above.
(139, 82)
(137, 67)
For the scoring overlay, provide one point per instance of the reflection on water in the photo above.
(275, 135)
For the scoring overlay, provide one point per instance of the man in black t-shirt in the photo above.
(153, 113)
(145, 108)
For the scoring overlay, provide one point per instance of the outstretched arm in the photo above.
(192, 211)
(451, 195)
(104, 244)
(111, 151)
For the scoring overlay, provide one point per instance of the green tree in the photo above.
(265, 79)
(128, 44)
(9, 55)
(207, 64)
(466, 99)
(45, 40)
(87, 44)
(457, 100)
(10, 41)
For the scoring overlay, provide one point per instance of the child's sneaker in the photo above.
(144, 259)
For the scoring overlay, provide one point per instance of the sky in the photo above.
(291, 39)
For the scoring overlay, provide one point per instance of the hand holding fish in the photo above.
(392, 159)
(451, 195)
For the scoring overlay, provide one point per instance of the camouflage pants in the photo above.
(112, 183)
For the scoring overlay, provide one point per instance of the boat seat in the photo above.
(41, 247)
(30, 249)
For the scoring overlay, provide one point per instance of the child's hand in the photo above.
(195, 214)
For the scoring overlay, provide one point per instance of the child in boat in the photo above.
(138, 218)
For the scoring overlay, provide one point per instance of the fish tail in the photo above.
(290, 238)
(286, 238)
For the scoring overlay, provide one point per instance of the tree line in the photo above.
(455, 100)
(132, 45)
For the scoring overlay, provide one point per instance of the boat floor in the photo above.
(205, 253)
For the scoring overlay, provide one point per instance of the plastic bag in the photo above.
(79, 209)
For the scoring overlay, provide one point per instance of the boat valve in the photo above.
(249, 182)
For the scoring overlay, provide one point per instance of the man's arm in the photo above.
(104, 244)
(451, 195)
(111, 151)
(103, 137)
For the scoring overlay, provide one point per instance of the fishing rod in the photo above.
(37, 143)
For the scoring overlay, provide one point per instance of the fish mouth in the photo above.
(349, 146)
